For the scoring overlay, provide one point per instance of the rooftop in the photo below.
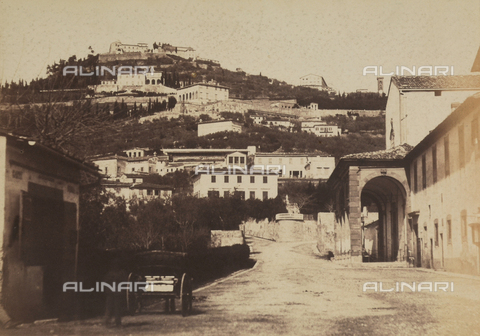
(398, 152)
(437, 82)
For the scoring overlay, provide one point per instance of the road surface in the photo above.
(291, 291)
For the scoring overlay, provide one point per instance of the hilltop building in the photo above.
(118, 47)
(314, 81)
(202, 93)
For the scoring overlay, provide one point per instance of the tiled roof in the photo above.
(437, 82)
(398, 152)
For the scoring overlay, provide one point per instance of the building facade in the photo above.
(39, 226)
(321, 129)
(293, 165)
(314, 82)
(118, 47)
(444, 178)
(417, 104)
(244, 183)
(202, 93)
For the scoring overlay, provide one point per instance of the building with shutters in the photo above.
(39, 225)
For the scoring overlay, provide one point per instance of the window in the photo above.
(133, 169)
(265, 195)
(141, 169)
(434, 163)
(436, 232)
(236, 159)
(265, 179)
(241, 194)
(157, 192)
(252, 179)
(449, 229)
(106, 170)
(461, 145)
(424, 171)
(438, 93)
(447, 155)
(463, 224)
(226, 179)
(226, 194)
(134, 180)
(474, 131)
(252, 194)
(230, 159)
(415, 177)
(242, 159)
(239, 179)
(214, 179)
(149, 192)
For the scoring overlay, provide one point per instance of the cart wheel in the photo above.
(131, 297)
(186, 294)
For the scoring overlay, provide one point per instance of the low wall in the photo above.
(282, 230)
(261, 229)
(220, 238)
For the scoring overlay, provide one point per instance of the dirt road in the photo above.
(291, 291)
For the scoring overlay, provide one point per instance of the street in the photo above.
(291, 291)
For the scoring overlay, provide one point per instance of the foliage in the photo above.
(309, 198)
(182, 223)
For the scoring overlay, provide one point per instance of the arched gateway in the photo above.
(370, 200)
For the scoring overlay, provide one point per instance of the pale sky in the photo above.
(282, 39)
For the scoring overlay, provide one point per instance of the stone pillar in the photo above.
(355, 212)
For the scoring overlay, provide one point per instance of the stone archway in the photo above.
(387, 196)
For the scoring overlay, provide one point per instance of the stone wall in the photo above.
(220, 238)
(282, 230)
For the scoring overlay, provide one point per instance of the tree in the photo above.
(171, 103)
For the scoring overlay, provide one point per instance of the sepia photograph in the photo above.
(239, 167)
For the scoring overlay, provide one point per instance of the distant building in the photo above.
(210, 127)
(296, 165)
(320, 128)
(191, 158)
(417, 104)
(245, 184)
(314, 82)
(118, 47)
(185, 52)
(287, 124)
(138, 186)
(202, 93)
(136, 160)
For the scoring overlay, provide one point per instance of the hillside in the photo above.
(178, 72)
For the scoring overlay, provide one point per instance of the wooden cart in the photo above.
(162, 275)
